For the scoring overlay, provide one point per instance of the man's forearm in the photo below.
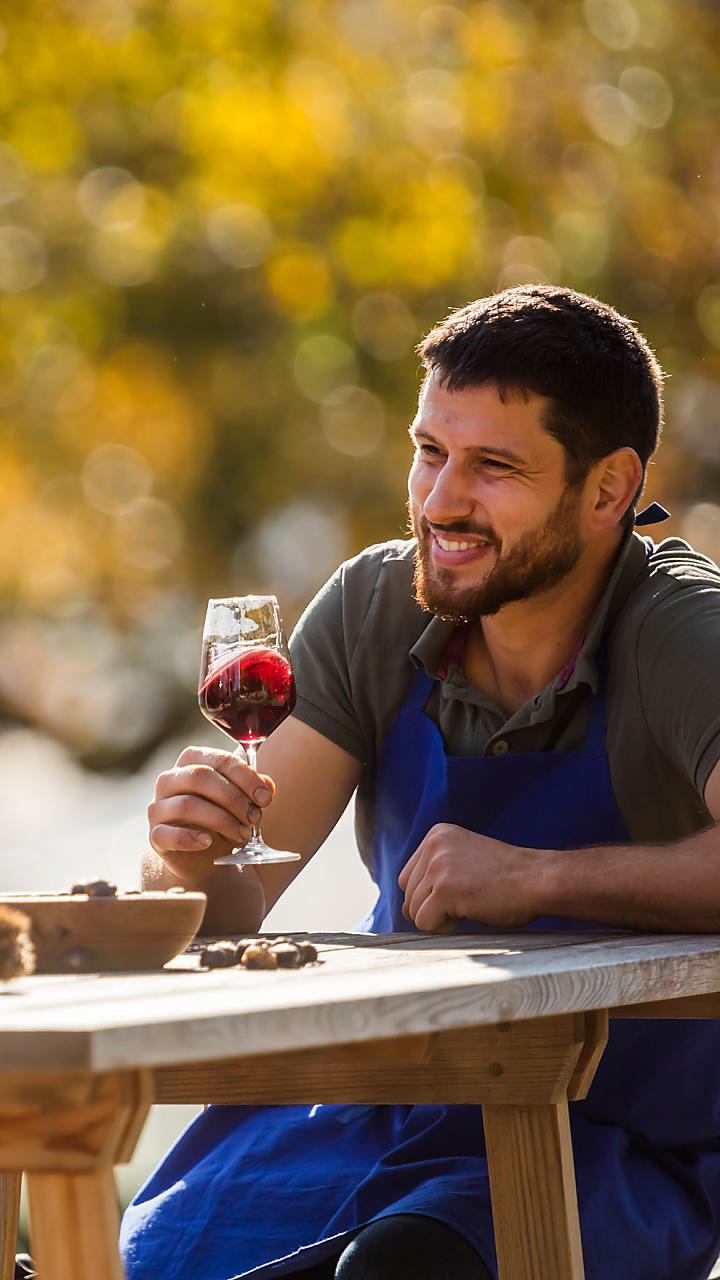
(236, 901)
(456, 874)
(667, 888)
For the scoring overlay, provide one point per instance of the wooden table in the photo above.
(516, 1022)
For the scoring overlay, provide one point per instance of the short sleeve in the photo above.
(679, 675)
(351, 649)
(319, 651)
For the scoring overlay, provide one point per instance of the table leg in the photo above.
(74, 1224)
(10, 1184)
(529, 1149)
(66, 1131)
(532, 1183)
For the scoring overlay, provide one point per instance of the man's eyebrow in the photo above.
(495, 451)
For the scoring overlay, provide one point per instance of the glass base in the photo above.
(247, 858)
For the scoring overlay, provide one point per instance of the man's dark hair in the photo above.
(601, 377)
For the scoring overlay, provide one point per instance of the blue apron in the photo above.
(262, 1192)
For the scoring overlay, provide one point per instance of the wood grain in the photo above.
(77, 1123)
(705, 1006)
(74, 1225)
(524, 1061)
(377, 990)
(595, 1037)
(532, 1187)
(512, 1020)
(10, 1185)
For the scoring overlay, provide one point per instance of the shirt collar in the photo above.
(631, 562)
(431, 650)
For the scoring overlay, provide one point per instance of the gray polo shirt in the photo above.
(358, 644)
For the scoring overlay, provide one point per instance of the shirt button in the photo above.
(501, 747)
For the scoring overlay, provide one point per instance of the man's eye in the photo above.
(429, 451)
(495, 464)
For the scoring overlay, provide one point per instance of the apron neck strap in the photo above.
(419, 690)
(654, 514)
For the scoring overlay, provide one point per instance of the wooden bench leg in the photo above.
(532, 1184)
(10, 1184)
(74, 1224)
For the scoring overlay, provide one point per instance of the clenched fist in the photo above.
(456, 874)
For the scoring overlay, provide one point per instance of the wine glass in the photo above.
(247, 689)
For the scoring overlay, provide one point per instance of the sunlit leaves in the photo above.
(225, 224)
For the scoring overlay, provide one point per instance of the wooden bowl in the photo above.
(75, 933)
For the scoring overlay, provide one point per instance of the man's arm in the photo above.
(456, 874)
(206, 805)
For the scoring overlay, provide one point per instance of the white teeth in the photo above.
(446, 545)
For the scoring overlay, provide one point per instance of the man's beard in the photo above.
(537, 562)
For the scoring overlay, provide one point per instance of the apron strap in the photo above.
(654, 514)
(597, 709)
(419, 690)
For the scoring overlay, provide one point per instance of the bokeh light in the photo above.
(223, 230)
(353, 420)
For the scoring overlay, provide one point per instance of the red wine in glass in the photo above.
(251, 695)
(247, 687)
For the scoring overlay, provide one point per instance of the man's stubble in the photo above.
(537, 562)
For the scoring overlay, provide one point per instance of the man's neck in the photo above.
(514, 654)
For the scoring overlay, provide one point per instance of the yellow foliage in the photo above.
(300, 280)
(137, 402)
(46, 137)
(225, 223)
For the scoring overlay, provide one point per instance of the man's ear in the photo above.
(616, 480)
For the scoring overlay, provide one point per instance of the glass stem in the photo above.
(250, 750)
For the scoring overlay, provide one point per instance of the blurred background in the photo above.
(224, 225)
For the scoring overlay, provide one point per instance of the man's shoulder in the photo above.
(377, 587)
(677, 596)
(397, 556)
(676, 566)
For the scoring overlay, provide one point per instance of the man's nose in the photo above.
(450, 497)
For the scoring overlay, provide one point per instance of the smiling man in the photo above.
(524, 696)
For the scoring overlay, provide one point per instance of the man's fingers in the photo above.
(231, 766)
(211, 798)
(198, 814)
(414, 872)
(415, 902)
(166, 839)
(207, 783)
(431, 916)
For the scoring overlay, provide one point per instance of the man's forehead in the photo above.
(478, 406)
(435, 386)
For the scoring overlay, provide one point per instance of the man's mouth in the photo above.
(453, 550)
(450, 544)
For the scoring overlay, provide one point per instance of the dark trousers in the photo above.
(403, 1247)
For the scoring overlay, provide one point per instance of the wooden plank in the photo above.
(532, 1187)
(358, 993)
(74, 1225)
(10, 1185)
(704, 1006)
(531, 1062)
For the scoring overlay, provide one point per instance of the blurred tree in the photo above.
(223, 226)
